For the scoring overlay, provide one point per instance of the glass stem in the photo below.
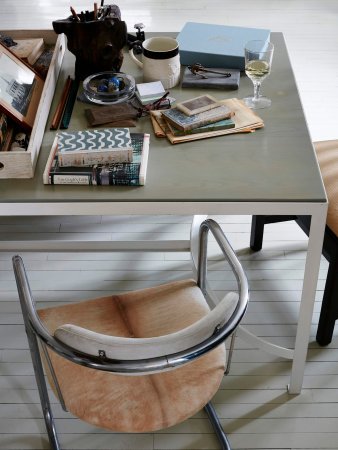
(257, 90)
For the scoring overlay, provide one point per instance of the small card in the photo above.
(198, 104)
(151, 89)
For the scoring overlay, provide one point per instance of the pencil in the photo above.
(76, 17)
(95, 11)
(61, 106)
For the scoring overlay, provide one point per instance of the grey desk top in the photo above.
(276, 163)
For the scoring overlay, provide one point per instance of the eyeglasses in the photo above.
(161, 103)
(196, 68)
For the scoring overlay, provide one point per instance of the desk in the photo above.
(272, 171)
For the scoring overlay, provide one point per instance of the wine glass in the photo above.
(258, 58)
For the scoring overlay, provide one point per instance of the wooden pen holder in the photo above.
(96, 42)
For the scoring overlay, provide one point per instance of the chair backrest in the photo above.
(124, 348)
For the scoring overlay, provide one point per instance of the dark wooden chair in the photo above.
(327, 154)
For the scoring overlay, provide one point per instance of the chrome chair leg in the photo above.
(230, 353)
(216, 424)
(42, 388)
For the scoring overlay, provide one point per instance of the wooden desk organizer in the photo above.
(96, 44)
(18, 164)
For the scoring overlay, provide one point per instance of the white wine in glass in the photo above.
(258, 58)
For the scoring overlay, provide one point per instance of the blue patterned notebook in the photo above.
(88, 147)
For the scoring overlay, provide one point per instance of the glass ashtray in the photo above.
(106, 88)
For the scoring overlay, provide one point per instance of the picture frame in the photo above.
(20, 89)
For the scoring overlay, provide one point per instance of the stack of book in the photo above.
(198, 115)
(110, 156)
(166, 122)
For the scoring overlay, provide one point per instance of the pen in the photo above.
(76, 17)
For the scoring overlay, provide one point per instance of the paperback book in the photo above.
(118, 174)
(198, 105)
(185, 123)
(88, 147)
(220, 125)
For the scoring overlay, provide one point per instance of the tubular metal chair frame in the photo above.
(39, 337)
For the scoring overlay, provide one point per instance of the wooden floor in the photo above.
(252, 403)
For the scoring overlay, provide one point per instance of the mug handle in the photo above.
(133, 57)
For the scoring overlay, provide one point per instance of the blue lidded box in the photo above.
(216, 45)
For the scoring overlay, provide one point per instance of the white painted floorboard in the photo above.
(253, 404)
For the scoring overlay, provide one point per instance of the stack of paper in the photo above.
(149, 92)
(245, 119)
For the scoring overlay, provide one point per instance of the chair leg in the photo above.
(257, 231)
(257, 228)
(230, 353)
(329, 309)
(42, 388)
(216, 424)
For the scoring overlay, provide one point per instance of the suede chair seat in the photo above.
(137, 403)
(327, 155)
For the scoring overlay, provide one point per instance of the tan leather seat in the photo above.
(327, 154)
(137, 403)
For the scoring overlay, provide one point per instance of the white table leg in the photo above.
(313, 256)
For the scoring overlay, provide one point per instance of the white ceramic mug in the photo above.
(160, 61)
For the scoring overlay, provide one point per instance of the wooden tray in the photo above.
(22, 164)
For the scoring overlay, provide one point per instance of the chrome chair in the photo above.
(138, 361)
